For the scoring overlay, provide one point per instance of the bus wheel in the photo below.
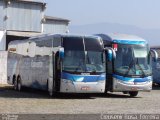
(125, 92)
(50, 91)
(19, 84)
(133, 93)
(15, 84)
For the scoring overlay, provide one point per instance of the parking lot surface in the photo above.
(32, 101)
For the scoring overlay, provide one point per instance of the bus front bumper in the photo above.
(68, 86)
(120, 86)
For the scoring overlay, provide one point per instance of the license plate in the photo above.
(134, 88)
(85, 88)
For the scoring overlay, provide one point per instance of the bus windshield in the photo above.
(79, 57)
(132, 60)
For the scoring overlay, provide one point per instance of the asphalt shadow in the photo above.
(156, 87)
(9, 92)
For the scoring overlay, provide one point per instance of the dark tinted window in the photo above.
(92, 44)
(56, 41)
(49, 42)
(73, 43)
(44, 42)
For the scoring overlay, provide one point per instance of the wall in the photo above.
(2, 15)
(55, 27)
(3, 69)
(2, 40)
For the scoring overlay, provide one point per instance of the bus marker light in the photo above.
(115, 47)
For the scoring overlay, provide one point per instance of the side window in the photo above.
(45, 42)
(44, 45)
(56, 41)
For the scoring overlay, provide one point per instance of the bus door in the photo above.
(109, 75)
(57, 72)
(54, 73)
(110, 56)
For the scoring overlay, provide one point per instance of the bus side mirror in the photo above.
(110, 54)
(155, 55)
(61, 53)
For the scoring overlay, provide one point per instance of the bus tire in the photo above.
(106, 92)
(133, 93)
(19, 84)
(50, 92)
(125, 92)
(15, 83)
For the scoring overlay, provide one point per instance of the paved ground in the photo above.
(38, 102)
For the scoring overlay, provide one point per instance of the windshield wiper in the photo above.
(144, 75)
(130, 66)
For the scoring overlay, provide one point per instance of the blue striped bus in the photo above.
(58, 63)
(128, 65)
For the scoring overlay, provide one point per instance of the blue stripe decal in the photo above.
(83, 78)
(135, 42)
(127, 79)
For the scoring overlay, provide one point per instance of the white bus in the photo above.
(58, 63)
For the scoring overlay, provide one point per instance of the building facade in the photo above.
(20, 19)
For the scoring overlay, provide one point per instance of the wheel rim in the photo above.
(19, 86)
(15, 84)
(50, 93)
(133, 94)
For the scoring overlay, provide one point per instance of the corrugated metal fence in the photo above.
(21, 16)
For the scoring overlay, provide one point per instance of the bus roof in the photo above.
(34, 38)
(63, 35)
(121, 38)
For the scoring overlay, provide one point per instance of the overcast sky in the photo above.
(140, 13)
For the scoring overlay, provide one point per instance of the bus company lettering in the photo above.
(36, 64)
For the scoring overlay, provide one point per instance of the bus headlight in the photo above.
(124, 82)
(68, 81)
